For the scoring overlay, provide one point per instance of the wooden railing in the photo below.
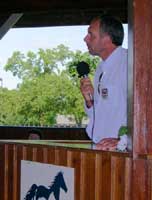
(98, 175)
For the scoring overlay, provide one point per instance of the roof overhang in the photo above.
(40, 13)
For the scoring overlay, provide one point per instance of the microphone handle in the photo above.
(85, 76)
(91, 97)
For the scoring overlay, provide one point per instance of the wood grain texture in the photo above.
(140, 180)
(98, 175)
(142, 32)
(128, 179)
(149, 179)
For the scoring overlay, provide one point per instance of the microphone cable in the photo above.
(93, 121)
(94, 115)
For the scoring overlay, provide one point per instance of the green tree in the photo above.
(36, 101)
(33, 64)
(50, 86)
(9, 107)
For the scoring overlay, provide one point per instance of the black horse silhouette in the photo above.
(42, 191)
(31, 193)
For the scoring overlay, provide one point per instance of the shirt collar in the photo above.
(110, 58)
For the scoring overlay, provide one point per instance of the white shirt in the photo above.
(109, 112)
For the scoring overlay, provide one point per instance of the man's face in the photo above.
(94, 39)
(34, 136)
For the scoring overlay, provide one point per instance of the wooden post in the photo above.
(140, 110)
(142, 76)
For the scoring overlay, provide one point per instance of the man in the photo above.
(107, 111)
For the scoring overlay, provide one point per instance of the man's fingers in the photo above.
(108, 141)
(107, 144)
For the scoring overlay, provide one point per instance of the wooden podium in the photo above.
(98, 175)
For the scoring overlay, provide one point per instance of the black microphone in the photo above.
(83, 71)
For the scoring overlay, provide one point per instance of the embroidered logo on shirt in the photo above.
(104, 92)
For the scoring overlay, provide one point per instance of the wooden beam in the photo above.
(130, 74)
(9, 23)
(47, 5)
(38, 13)
(142, 73)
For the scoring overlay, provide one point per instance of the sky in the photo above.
(25, 39)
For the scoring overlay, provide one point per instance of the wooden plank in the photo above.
(128, 179)
(21, 155)
(149, 179)
(140, 180)
(51, 155)
(105, 176)
(2, 171)
(98, 174)
(117, 178)
(60, 156)
(15, 171)
(74, 160)
(87, 176)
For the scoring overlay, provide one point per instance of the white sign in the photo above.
(40, 181)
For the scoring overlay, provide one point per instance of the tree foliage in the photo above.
(49, 87)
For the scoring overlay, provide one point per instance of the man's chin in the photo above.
(92, 53)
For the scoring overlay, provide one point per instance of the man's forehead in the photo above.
(94, 25)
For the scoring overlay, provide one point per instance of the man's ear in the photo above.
(106, 40)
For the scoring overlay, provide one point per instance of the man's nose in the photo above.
(85, 38)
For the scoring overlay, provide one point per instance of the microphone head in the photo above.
(83, 69)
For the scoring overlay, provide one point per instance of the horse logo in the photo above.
(35, 192)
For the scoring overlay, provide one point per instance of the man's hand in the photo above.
(87, 90)
(107, 144)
